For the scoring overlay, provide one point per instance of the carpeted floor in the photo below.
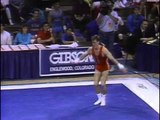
(73, 103)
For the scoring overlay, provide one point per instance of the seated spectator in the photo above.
(154, 27)
(119, 25)
(6, 38)
(134, 20)
(91, 29)
(27, 8)
(45, 35)
(67, 22)
(42, 15)
(143, 34)
(23, 37)
(122, 35)
(71, 36)
(35, 22)
(56, 19)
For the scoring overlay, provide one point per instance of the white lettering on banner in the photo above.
(70, 68)
(67, 57)
(67, 68)
(84, 67)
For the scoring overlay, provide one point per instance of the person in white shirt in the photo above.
(116, 15)
(119, 4)
(6, 38)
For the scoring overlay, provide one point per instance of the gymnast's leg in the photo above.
(97, 86)
(103, 80)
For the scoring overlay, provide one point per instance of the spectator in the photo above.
(143, 34)
(42, 15)
(27, 8)
(70, 36)
(55, 18)
(6, 38)
(23, 37)
(119, 22)
(45, 35)
(16, 10)
(154, 11)
(68, 22)
(119, 25)
(121, 36)
(6, 8)
(154, 27)
(35, 22)
(119, 4)
(91, 29)
(80, 16)
(134, 20)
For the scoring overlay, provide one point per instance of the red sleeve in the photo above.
(39, 34)
(43, 35)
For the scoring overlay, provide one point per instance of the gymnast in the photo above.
(101, 56)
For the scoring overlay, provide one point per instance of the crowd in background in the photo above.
(47, 23)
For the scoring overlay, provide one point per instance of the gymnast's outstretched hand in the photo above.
(122, 68)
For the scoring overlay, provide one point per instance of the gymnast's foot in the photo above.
(103, 100)
(97, 102)
(99, 96)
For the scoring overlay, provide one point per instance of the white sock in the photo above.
(99, 96)
(103, 100)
